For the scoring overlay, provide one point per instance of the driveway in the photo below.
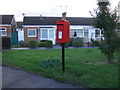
(13, 78)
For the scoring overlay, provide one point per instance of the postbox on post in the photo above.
(63, 36)
(63, 31)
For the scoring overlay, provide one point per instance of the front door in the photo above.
(14, 38)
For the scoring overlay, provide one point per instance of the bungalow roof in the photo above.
(6, 19)
(52, 20)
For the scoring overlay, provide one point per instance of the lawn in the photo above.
(84, 66)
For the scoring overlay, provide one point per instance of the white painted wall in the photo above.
(20, 34)
(79, 26)
(90, 29)
(91, 33)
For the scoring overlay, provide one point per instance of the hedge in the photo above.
(33, 44)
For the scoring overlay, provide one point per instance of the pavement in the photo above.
(14, 78)
(54, 47)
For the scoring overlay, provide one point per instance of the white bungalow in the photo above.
(44, 28)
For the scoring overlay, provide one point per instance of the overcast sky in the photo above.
(75, 8)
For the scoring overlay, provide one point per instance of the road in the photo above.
(14, 78)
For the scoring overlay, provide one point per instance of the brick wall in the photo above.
(8, 29)
(28, 39)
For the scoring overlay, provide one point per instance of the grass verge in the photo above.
(84, 66)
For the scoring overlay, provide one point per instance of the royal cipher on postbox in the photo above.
(63, 31)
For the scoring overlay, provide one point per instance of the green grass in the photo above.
(84, 66)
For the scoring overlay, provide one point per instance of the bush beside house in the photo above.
(33, 44)
(47, 43)
(41, 44)
(21, 43)
(75, 42)
(95, 43)
(71, 41)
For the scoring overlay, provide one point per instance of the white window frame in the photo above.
(77, 30)
(86, 31)
(53, 33)
(72, 31)
(42, 32)
(33, 35)
(48, 31)
(3, 30)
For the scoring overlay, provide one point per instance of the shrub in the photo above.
(41, 44)
(95, 43)
(16, 46)
(22, 43)
(50, 62)
(48, 44)
(108, 49)
(67, 44)
(43, 40)
(33, 44)
(78, 42)
(81, 42)
(71, 41)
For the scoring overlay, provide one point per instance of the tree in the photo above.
(107, 21)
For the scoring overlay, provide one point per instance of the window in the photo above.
(3, 32)
(51, 33)
(97, 33)
(80, 32)
(85, 32)
(72, 31)
(47, 33)
(31, 32)
(44, 33)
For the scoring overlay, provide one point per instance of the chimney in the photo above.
(64, 16)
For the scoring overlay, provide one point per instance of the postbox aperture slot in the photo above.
(60, 26)
(60, 29)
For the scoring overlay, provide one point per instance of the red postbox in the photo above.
(63, 31)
